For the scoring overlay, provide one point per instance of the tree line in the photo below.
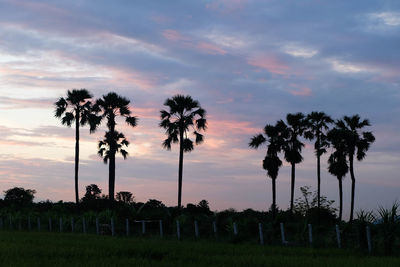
(345, 136)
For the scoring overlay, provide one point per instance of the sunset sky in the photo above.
(248, 63)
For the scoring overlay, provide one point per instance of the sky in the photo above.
(248, 63)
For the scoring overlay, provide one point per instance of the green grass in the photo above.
(54, 249)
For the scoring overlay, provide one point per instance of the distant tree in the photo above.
(357, 143)
(271, 163)
(19, 196)
(337, 162)
(125, 197)
(317, 126)
(204, 204)
(292, 146)
(183, 114)
(154, 204)
(92, 192)
(309, 200)
(109, 107)
(76, 107)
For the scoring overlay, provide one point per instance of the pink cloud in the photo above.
(304, 91)
(226, 6)
(173, 35)
(209, 48)
(269, 63)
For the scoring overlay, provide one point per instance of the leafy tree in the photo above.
(19, 196)
(125, 197)
(337, 162)
(317, 125)
(357, 143)
(271, 163)
(92, 192)
(292, 146)
(111, 106)
(184, 114)
(76, 107)
(309, 200)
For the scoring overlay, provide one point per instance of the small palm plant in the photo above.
(184, 114)
(389, 224)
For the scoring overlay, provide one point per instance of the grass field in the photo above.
(54, 249)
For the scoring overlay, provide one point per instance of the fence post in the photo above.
(84, 225)
(235, 230)
(112, 227)
(29, 223)
(61, 226)
(127, 226)
(143, 227)
(178, 230)
(260, 231)
(50, 225)
(196, 229)
(368, 230)
(38, 224)
(72, 224)
(161, 229)
(339, 244)
(310, 239)
(97, 226)
(215, 228)
(283, 234)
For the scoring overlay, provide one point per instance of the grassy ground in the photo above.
(53, 249)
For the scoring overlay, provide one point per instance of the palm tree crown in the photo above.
(184, 115)
(77, 108)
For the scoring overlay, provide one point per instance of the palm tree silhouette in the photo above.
(295, 127)
(317, 125)
(337, 162)
(357, 144)
(76, 107)
(271, 162)
(110, 107)
(184, 113)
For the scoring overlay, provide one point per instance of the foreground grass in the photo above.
(53, 249)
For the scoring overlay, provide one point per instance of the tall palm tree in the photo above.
(76, 107)
(271, 162)
(111, 106)
(184, 114)
(317, 125)
(357, 144)
(294, 129)
(337, 162)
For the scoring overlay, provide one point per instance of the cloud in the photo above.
(269, 63)
(303, 91)
(209, 48)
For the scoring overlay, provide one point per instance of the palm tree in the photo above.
(317, 125)
(293, 130)
(337, 162)
(110, 107)
(76, 107)
(184, 114)
(357, 144)
(271, 162)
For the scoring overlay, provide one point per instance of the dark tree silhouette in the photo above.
(76, 107)
(92, 192)
(294, 129)
(357, 144)
(317, 126)
(110, 107)
(337, 162)
(125, 197)
(184, 114)
(19, 195)
(271, 163)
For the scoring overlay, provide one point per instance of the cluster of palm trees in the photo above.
(345, 137)
(184, 114)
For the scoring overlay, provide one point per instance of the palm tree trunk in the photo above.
(273, 198)
(292, 189)
(353, 186)
(76, 156)
(111, 177)
(340, 198)
(180, 169)
(319, 185)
